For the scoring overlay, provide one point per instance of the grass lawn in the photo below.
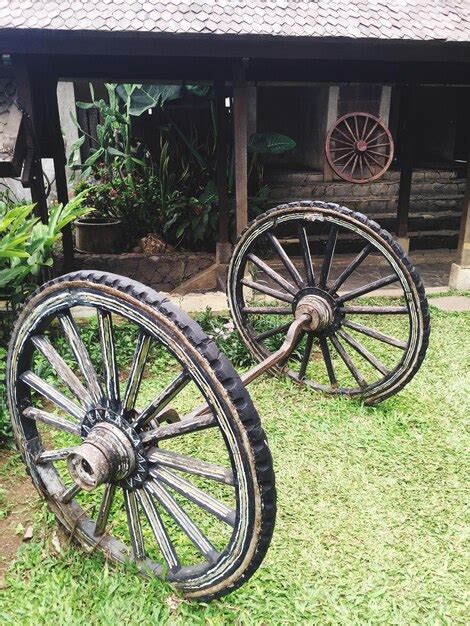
(371, 524)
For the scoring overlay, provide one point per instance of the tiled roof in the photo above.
(447, 20)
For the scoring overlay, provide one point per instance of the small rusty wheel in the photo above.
(284, 265)
(359, 148)
(184, 496)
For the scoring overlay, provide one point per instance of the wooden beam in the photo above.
(405, 141)
(221, 166)
(240, 130)
(463, 248)
(59, 157)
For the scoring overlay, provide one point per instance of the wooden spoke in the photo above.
(62, 369)
(188, 425)
(347, 138)
(348, 362)
(347, 163)
(380, 154)
(374, 310)
(196, 495)
(371, 332)
(273, 331)
(374, 126)
(354, 138)
(190, 465)
(51, 420)
(81, 356)
(69, 494)
(360, 349)
(156, 524)
(353, 168)
(361, 166)
(307, 257)
(306, 355)
(110, 370)
(379, 145)
(50, 456)
(50, 393)
(368, 165)
(369, 155)
(351, 267)
(344, 156)
(277, 278)
(162, 400)
(328, 257)
(376, 284)
(183, 520)
(136, 372)
(341, 149)
(105, 508)
(328, 362)
(134, 525)
(278, 295)
(290, 267)
(266, 310)
(366, 122)
(349, 143)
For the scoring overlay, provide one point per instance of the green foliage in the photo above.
(5, 428)
(173, 192)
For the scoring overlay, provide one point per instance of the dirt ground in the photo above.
(18, 498)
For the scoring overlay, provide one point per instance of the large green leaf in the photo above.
(148, 96)
(270, 143)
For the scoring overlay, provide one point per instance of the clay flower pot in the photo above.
(98, 235)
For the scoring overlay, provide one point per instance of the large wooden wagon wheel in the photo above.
(284, 265)
(149, 480)
(359, 148)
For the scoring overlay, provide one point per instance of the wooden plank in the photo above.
(405, 142)
(240, 121)
(221, 167)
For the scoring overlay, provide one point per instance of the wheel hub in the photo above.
(112, 452)
(321, 307)
(106, 455)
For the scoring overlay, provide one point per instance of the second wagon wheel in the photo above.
(284, 265)
(359, 147)
(119, 453)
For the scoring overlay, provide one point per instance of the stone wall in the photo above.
(164, 272)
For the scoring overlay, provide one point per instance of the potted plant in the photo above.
(99, 232)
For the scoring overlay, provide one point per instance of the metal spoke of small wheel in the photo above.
(162, 400)
(351, 267)
(51, 420)
(196, 495)
(328, 258)
(277, 278)
(134, 525)
(108, 353)
(273, 331)
(306, 355)
(328, 362)
(81, 355)
(290, 267)
(187, 425)
(303, 239)
(136, 372)
(262, 310)
(188, 464)
(156, 524)
(360, 349)
(278, 295)
(70, 494)
(105, 508)
(200, 541)
(348, 361)
(50, 393)
(371, 332)
(49, 456)
(62, 369)
(374, 310)
(376, 284)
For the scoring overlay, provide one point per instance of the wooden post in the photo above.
(60, 172)
(240, 121)
(223, 243)
(460, 270)
(406, 127)
(331, 117)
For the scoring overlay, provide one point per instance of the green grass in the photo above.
(371, 527)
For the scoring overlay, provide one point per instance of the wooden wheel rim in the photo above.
(352, 127)
(412, 291)
(194, 580)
